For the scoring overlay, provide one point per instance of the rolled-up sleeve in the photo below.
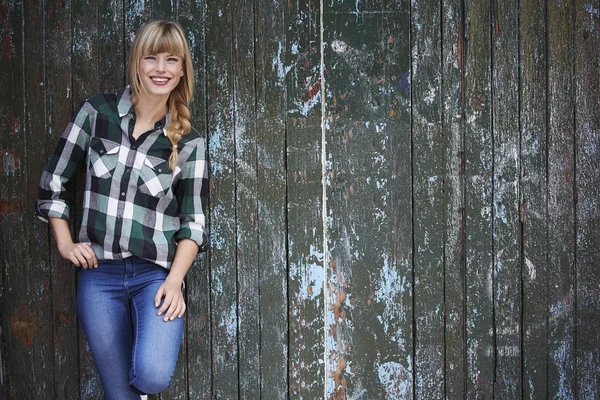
(71, 149)
(192, 196)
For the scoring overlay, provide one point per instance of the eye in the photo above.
(173, 59)
(150, 58)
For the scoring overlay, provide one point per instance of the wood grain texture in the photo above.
(33, 270)
(221, 144)
(272, 196)
(453, 126)
(506, 225)
(561, 202)
(59, 108)
(478, 201)
(20, 324)
(534, 195)
(587, 155)
(369, 328)
(305, 201)
(248, 266)
(429, 199)
(191, 17)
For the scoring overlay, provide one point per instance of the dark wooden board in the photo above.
(587, 155)
(478, 201)
(33, 270)
(306, 372)
(429, 199)
(248, 275)
(369, 281)
(453, 51)
(20, 324)
(506, 225)
(192, 19)
(220, 120)
(533, 121)
(561, 203)
(272, 224)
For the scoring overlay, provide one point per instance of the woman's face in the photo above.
(160, 73)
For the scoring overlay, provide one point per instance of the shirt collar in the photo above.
(125, 107)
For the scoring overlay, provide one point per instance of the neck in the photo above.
(149, 109)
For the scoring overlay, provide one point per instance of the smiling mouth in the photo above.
(159, 80)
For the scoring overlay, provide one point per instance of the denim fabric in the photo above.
(134, 350)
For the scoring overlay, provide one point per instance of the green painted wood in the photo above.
(135, 14)
(368, 305)
(587, 154)
(220, 123)
(20, 324)
(429, 199)
(111, 57)
(453, 51)
(561, 203)
(248, 275)
(164, 9)
(271, 156)
(306, 372)
(533, 120)
(506, 225)
(478, 201)
(192, 19)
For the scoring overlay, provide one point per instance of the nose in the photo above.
(160, 65)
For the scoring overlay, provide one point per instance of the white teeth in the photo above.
(159, 79)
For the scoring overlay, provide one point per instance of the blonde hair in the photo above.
(166, 37)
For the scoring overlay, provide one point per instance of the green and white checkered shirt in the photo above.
(133, 203)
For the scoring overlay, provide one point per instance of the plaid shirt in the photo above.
(133, 203)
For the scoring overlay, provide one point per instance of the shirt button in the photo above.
(127, 170)
(122, 194)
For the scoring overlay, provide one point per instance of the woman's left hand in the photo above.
(173, 304)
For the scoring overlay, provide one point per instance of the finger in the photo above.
(171, 311)
(183, 308)
(89, 254)
(166, 303)
(177, 310)
(81, 259)
(159, 296)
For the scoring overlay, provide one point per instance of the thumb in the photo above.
(159, 295)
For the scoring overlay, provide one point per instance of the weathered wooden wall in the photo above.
(405, 196)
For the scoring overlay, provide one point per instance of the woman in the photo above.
(143, 213)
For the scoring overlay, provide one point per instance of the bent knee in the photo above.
(151, 380)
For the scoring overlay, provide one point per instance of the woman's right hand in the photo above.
(80, 254)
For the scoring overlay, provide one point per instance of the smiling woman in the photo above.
(143, 213)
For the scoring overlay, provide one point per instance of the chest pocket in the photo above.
(103, 157)
(155, 177)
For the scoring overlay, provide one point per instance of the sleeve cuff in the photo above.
(52, 209)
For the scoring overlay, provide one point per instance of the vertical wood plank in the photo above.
(246, 201)
(192, 17)
(164, 9)
(19, 324)
(478, 201)
(453, 50)
(533, 120)
(369, 324)
(35, 266)
(219, 81)
(587, 141)
(135, 14)
(429, 151)
(59, 111)
(271, 117)
(111, 57)
(506, 225)
(86, 82)
(561, 204)
(305, 205)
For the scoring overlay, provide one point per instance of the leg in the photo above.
(156, 343)
(103, 309)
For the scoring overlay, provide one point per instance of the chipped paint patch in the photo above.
(396, 379)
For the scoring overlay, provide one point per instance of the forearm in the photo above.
(185, 253)
(62, 233)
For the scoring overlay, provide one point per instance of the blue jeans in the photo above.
(134, 350)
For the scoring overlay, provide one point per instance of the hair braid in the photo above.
(178, 126)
